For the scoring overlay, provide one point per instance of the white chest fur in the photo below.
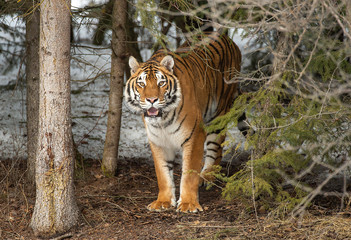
(170, 137)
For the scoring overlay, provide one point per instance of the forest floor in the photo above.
(115, 208)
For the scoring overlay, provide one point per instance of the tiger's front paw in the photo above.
(189, 207)
(158, 206)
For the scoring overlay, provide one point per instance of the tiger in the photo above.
(178, 93)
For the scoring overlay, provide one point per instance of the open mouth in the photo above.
(152, 112)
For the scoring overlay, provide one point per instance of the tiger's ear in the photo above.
(168, 63)
(133, 64)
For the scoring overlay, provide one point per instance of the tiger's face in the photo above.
(152, 89)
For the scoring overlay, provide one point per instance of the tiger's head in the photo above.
(152, 89)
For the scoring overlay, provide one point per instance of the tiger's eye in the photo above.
(161, 83)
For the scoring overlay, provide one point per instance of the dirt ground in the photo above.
(115, 208)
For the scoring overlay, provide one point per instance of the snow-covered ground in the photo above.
(89, 112)
(89, 117)
(89, 105)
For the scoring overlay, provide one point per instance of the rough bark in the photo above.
(55, 210)
(32, 79)
(118, 56)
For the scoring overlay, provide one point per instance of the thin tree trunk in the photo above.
(55, 210)
(348, 18)
(132, 36)
(118, 63)
(32, 78)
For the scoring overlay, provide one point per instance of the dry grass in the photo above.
(114, 208)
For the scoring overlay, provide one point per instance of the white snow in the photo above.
(89, 115)
(89, 105)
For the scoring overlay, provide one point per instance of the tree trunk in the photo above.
(348, 18)
(118, 63)
(32, 78)
(55, 210)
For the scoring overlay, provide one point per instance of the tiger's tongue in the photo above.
(152, 111)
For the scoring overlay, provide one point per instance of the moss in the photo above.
(106, 173)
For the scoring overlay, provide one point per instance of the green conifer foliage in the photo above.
(301, 113)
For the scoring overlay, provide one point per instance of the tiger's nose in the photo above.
(152, 100)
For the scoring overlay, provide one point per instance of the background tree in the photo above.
(32, 80)
(118, 67)
(55, 210)
(104, 23)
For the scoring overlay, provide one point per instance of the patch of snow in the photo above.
(90, 69)
(89, 101)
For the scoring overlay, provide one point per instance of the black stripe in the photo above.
(199, 63)
(212, 150)
(178, 68)
(215, 49)
(165, 114)
(207, 105)
(181, 106)
(132, 102)
(219, 40)
(133, 85)
(171, 120)
(222, 58)
(194, 63)
(181, 60)
(221, 46)
(215, 132)
(175, 87)
(191, 134)
(206, 50)
(210, 142)
(210, 157)
(170, 84)
(222, 85)
(226, 58)
(180, 125)
(155, 126)
(169, 165)
(128, 88)
(231, 58)
(226, 93)
(173, 100)
(201, 53)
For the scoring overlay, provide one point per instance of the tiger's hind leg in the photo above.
(213, 155)
(214, 149)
